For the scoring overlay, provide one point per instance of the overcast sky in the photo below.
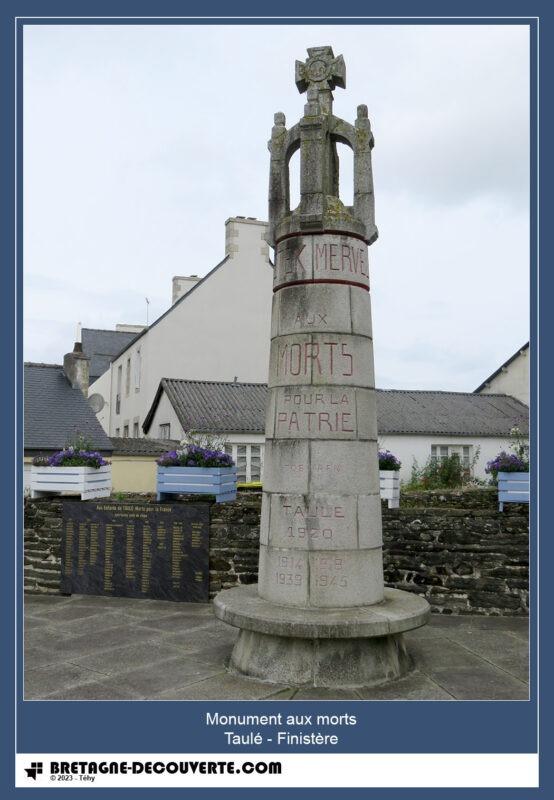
(140, 141)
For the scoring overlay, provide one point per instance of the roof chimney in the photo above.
(182, 284)
(245, 234)
(124, 327)
(76, 368)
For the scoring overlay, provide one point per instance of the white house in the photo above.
(234, 412)
(217, 329)
(418, 425)
(100, 346)
(511, 377)
(412, 424)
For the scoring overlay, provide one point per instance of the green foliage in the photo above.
(516, 461)
(519, 445)
(207, 441)
(79, 442)
(444, 473)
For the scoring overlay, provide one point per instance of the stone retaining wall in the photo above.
(464, 561)
(486, 497)
(471, 560)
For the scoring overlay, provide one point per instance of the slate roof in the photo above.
(142, 447)
(502, 367)
(55, 412)
(402, 411)
(216, 407)
(101, 346)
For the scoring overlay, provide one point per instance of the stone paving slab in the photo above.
(46, 635)
(441, 653)
(149, 683)
(415, 686)
(489, 643)
(120, 659)
(50, 600)
(168, 609)
(176, 623)
(33, 622)
(489, 683)
(74, 627)
(194, 641)
(35, 657)
(224, 686)
(99, 648)
(65, 613)
(55, 677)
(516, 664)
(494, 622)
(99, 690)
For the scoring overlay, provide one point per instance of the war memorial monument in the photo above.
(320, 614)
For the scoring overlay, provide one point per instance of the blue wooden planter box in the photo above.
(219, 481)
(513, 487)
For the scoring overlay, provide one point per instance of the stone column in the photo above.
(320, 542)
(320, 614)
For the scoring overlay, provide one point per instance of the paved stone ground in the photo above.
(99, 648)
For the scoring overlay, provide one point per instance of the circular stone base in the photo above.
(360, 646)
(320, 662)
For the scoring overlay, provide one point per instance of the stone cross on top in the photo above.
(316, 135)
(318, 75)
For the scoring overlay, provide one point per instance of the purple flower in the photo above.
(506, 462)
(169, 459)
(194, 456)
(70, 457)
(388, 461)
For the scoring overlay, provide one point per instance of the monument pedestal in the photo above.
(340, 647)
(321, 615)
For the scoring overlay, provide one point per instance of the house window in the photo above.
(255, 462)
(138, 367)
(117, 431)
(442, 451)
(125, 431)
(118, 395)
(165, 431)
(241, 462)
(127, 377)
(248, 459)
(135, 430)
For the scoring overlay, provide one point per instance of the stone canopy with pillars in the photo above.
(320, 614)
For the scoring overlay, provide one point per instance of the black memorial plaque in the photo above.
(136, 550)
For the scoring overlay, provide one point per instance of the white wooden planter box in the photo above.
(389, 483)
(513, 487)
(86, 481)
(219, 481)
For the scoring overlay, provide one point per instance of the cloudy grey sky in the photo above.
(139, 141)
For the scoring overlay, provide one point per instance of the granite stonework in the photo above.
(321, 528)
(485, 498)
(468, 559)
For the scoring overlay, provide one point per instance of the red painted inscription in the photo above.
(315, 421)
(344, 258)
(332, 358)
